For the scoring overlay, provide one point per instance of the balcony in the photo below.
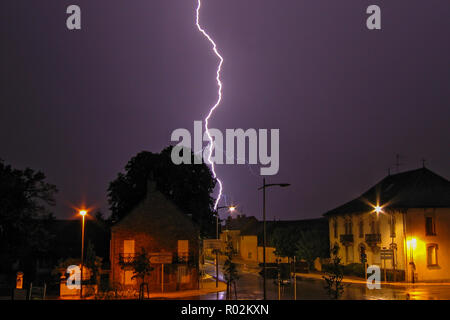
(127, 258)
(346, 239)
(373, 239)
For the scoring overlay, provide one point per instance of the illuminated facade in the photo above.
(403, 223)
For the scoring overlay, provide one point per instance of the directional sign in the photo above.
(212, 244)
(386, 254)
(161, 258)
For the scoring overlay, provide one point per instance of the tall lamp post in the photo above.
(231, 209)
(83, 214)
(264, 186)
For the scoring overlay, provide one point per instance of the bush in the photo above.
(354, 269)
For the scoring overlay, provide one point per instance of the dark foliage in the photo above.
(189, 186)
(24, 217)
(335, 274)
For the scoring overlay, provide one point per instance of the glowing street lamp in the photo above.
(230, 209)
(378, 209)
(83, 214)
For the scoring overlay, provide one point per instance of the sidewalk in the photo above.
(350, 279)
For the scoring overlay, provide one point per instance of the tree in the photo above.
(230, 268)
(312, 243)
(24, 217)
(141, 267)
(189, 186)
(335, 275)
(284, 240)
(93, 262)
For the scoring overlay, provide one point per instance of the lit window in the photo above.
(129, 277)
(183, 249)
(432, 254)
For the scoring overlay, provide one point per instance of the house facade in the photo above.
(168, 236)
(401, 224)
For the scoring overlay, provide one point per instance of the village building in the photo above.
(246, 235)
(167, 235)
(401, 224)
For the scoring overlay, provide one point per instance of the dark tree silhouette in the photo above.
(311, 244)
(189, 186)
(24, 217)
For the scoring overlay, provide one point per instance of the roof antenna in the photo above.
(423, 162)
(397, 162)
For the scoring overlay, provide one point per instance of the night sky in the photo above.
(79, 104)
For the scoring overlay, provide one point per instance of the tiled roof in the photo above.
(420, 188)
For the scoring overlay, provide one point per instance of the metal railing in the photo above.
(373, 238)
(346, 238)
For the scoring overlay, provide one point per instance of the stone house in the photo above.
(167, 234)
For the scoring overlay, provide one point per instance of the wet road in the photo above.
(250, 287)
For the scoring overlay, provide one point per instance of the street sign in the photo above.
(161, 258)
(212, 244)
(386, 254)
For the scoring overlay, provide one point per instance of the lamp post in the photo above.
(264, 186)
(83, 214)
(231, 209)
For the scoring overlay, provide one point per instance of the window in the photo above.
(128, 275)
(183, 249)
(361, 228)
(249, 255)
(128, 248)
(432, 255)
(392, 224)
(348, 225)
(372, 225)
(430, 228)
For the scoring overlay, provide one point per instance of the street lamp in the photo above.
(83, 214)
(264, 186)
(231, 209)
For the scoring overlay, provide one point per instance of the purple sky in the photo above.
(78, 105)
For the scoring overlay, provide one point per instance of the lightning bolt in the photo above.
(219, 99)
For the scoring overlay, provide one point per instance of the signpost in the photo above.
(386, 254)
(212, 244)
(161, 258)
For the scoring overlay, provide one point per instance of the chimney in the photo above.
(151, 184)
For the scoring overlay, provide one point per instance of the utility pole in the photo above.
(264, 239)
(279, 280)
(295, 282)
(264, 186)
